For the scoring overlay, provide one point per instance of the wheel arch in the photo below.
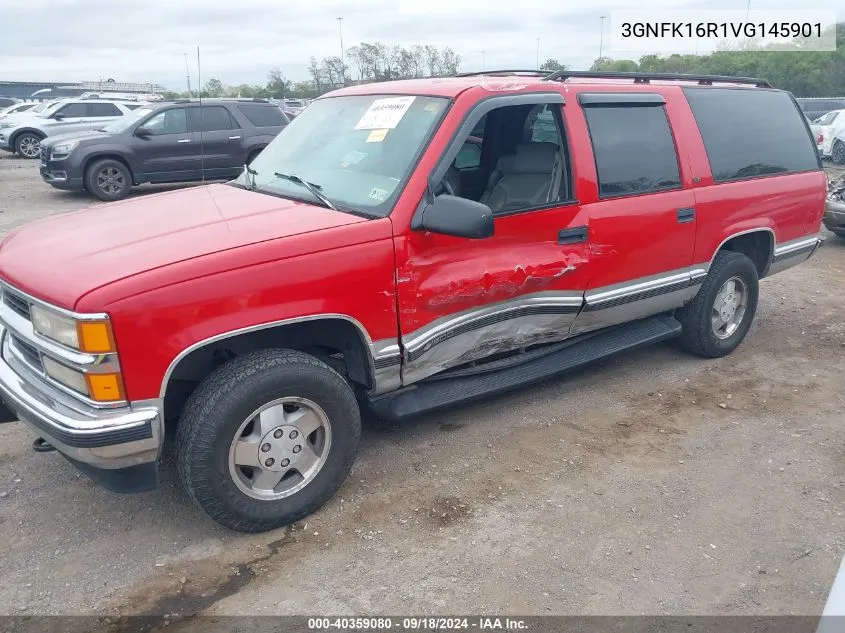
(338, 339)
(106, 155)
(13, 139)
(758, 244)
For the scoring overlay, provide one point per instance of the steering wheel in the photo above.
(450, 182)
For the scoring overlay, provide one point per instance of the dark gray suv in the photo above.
(179, 141)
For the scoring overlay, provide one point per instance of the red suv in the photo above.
(403, 246)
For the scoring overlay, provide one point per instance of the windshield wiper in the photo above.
(311, 187)
(250, 182)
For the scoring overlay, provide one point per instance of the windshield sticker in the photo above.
(432, 106)
(376, 136)
(385, 113)
(378, 194)
(352, 158)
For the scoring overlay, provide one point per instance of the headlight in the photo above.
(64, 148)
(99, 387)
(93, 337)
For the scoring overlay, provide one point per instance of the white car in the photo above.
(17, 108)
(22, 134)
(829, 125)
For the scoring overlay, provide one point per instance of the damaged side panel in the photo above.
(464, 300)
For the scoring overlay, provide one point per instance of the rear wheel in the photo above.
(108, 180)
(837, 153)
(717, 320)
(28, 144)
(267, 439)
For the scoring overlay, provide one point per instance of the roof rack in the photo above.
(539, 73)
(644, 78)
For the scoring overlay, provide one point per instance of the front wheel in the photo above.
(716, 321)
(267, 439)
(108, 180)
(28, 145)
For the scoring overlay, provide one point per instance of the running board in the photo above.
(438, 394)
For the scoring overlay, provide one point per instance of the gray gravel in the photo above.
(624, 489)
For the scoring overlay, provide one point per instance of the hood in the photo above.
(61, 258)
(87, 135)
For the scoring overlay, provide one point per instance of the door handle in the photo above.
(234, 138)
(184, 140)
(572, 236)
(686, 215)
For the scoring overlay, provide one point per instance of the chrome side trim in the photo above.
(631, 288)
(794, 252)
(265, 326)
(387, 361)
(800, 244)
(453, 340)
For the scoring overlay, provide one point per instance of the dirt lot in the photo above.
(655, 483)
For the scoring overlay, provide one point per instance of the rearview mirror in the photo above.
(451, 215)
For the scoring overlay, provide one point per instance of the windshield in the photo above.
(357, 150)
(123, 123)
(49, 107)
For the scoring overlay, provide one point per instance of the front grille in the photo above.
(28, 353)
(16, 303)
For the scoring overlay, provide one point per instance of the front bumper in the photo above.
(4, 142)
(110, 445)
(61, 174)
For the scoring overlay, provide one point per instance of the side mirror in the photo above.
(451, 215)
(58, 117)
(142, 132)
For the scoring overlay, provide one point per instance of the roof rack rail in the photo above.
(540, 73)
(644, 78)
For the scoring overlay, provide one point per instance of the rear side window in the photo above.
(634, 149)
(750, 133)
(263, 116)
(73, 109)
(214, 119)
(103, 109)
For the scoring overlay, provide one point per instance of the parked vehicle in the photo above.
(39, 107)
(174, 142)
(816, 133)
(23, 134)
(836, 140)
(829, 125)
(17, 108)
(817, 107)
(292, 107)
(5, 102)
(354, 264)
(834, 215)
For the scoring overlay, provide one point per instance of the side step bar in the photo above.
(438, 394)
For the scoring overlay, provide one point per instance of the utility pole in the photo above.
(188, 75)
(538, 54)
(601, 36)
(342, 58)
(482, 60)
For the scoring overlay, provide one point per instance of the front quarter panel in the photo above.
(154, 326)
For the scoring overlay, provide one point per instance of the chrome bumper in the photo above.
(108, 439)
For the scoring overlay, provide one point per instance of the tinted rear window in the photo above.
(263, 115)
(751, 133)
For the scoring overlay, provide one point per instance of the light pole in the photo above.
(188, 75)
(538, 54)
(342, 59)
(601, 36)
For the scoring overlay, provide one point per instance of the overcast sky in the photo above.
(145, 40)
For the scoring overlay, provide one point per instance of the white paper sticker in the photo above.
(378, 194)
(385, 114)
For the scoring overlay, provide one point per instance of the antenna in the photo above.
(202, 148)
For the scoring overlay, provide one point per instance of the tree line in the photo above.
(805, 74)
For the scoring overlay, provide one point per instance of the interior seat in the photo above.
(531, 181)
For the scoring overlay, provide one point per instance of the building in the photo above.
(44, 90)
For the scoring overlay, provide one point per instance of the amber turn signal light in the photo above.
(105, 387)
(95, 337)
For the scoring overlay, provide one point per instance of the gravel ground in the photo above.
(654, 483)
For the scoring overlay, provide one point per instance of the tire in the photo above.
(213, 421)
(28, 145)
(108, 180)
(837, 153)
(700, 334)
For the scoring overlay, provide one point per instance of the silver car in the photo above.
(23, 133)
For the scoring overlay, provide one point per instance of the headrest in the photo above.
(534, 158)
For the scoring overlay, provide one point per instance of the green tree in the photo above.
(552, 65)
(213, 88)
(277, 84)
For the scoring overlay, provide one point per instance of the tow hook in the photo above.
(40, 445)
